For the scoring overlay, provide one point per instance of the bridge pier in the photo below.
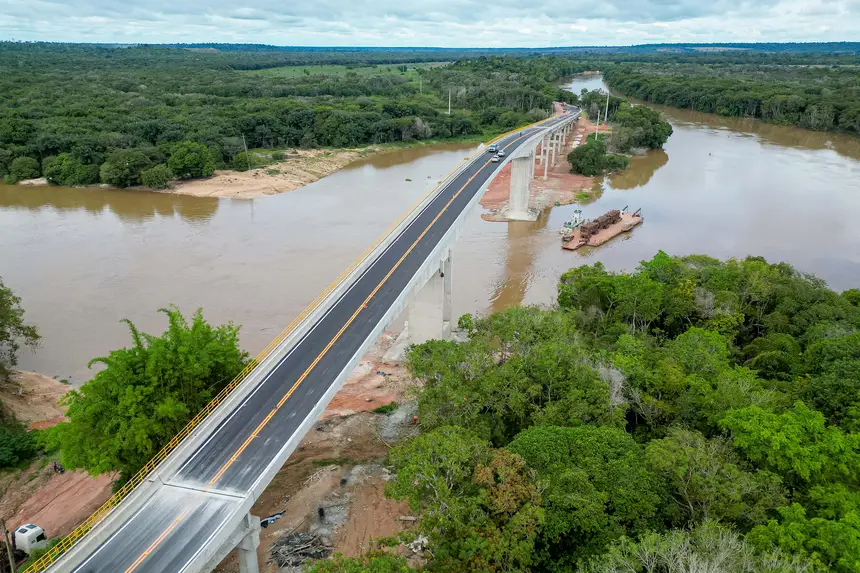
(522, 171)
(429, 313)
(247, 548)
(245, 539)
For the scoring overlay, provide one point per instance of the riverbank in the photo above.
(298, 168)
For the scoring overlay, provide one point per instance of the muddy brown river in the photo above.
(82, 259)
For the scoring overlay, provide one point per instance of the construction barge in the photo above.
(581, 232)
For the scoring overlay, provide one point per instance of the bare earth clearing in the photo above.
(33, 398)
(36, 494)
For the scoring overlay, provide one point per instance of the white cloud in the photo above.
(447, 23)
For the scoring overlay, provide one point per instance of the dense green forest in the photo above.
(820, 97)
(691, 412)
(83, 114)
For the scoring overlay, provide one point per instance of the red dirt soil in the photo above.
(365, 389)
(63, 500)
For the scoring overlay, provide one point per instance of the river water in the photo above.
(82, 259)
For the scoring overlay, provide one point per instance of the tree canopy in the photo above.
(13, 332)
(665, 415)
(83, 114)
(146, 394)
(809, 96)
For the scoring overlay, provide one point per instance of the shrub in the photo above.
(123, 167)
(66, 169)
(241, 161)
(16, 445)
(386, 409)
(191, 159)
(24, 168)
(156, 177)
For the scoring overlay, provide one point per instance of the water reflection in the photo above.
(406, 155)
(641, 170)
(781, 135)
(129, 206)
(733, 187)
(518, 269)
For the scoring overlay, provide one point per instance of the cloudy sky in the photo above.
(446, 23)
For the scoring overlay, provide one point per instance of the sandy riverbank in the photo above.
(299, 168)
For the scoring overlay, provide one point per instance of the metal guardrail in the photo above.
(79, 532)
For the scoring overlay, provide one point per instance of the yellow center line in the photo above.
(155, 543)
(361, 307)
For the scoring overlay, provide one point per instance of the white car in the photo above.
(501, 153)
(494, 158)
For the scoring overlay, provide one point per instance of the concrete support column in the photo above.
(518, 204)
(546, 164)
(532, 164)
(554, 146)
(247, 548)
(429, 313)
(447, 287)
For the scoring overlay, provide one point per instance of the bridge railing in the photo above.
(79, 532)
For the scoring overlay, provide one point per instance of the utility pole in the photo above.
(8, 546)
(420, 84)
(606, 115)
(247, 157)
(597, 128)
(449, 101)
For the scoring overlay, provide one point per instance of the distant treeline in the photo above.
(812, 97)
(91, 106)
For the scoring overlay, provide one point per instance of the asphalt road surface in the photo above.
(171, 528)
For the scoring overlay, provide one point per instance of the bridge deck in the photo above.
(188, 512)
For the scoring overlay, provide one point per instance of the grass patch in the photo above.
(386, 409)
(36, 554)
(581, 196)
(273, 171)
(345, 461)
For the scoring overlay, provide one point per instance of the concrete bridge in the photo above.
(190, 507)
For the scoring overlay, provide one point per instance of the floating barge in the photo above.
(579, 233)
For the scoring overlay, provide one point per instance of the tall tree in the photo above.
(13, 332)
(147, 393)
